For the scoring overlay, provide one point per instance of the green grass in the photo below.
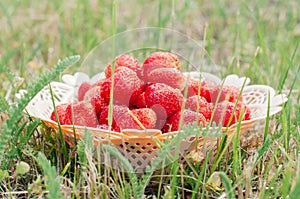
(255, 39)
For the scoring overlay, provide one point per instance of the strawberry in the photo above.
(83, 88)
(140, 101)
(159, 60)
(194, 85)
(98, 102)
(170, 76)
(229, 93)
(100, 82)
(64, 112)
(155, 86)
(127, 87)
(105, 89)
(189, 117)
(96, 96)
(90, 93)
(124, 60)
(226, 114)
(205, 90)
(198, 103)
(118, 111)
(147, 117)
(81, 113)
(163, 99)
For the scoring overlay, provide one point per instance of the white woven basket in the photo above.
(140, 147)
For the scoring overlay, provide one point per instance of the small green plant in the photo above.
(52, 179)
(11, 129)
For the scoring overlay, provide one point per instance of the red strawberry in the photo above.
(105, 89)
(163, 99)
(100, 82)
(247, 111)
(96, 96)
(189, 117)
(118, 111)
(198, 103)
(104, 86)
(155, 86)
(83, 114)
(159, 60)
(229, 93)
(224, 110)
(127, 61)
(64, 112)
(127, 87)
(192, 86)
(145, 116)
(98, 102)
(140, 101)
(90, 93)
(205, 90)
(170, 76)
(84, 87)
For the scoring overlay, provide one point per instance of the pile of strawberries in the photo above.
(154, 95)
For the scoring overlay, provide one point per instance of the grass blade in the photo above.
(227, 185)
(127, 166)
(52, 180)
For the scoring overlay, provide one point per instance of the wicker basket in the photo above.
(141, 147)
